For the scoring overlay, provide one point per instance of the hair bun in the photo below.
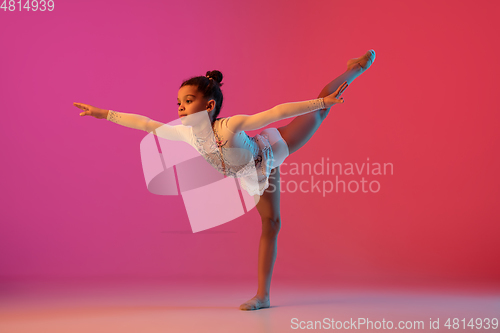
(216, 75)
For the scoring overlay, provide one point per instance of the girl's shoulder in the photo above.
(224, 124)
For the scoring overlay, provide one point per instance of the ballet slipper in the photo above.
(255, 303)
(365, 61)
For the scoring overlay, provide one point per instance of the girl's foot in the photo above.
(255, 303)
(364, 62)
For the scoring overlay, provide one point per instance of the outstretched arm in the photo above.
(136, 121)
(132, 120)
(239, 123)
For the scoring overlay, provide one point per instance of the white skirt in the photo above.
(272, 153)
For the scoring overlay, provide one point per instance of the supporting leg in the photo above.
(302, 128)
(269, 210)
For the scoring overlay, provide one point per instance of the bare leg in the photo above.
(302, 128)
(269, 210)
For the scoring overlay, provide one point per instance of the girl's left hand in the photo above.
(90, 110)
(332, 99)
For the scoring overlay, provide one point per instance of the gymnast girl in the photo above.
(200, 98)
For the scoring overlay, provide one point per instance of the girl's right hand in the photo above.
(90, 110)
(332, 99)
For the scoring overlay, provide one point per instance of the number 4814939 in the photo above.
(33, 5)
(478, 323)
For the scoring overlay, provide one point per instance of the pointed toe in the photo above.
(373, 55)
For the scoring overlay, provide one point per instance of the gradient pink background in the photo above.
(74, 200)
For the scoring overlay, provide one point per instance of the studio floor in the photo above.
(155, 305)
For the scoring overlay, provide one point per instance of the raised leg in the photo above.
(269, 210)
(302, 128)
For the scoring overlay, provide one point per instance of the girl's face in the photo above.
(190, 101)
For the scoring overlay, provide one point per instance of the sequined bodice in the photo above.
(236, 154)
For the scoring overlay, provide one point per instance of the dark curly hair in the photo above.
(209, 85)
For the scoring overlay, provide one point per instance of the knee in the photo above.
(271, 225)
